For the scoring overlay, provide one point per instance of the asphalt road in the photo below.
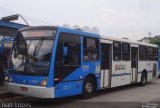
(130, 96)
(3, 88)
(130, 93)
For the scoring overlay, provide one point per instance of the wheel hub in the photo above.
(144, 80)
(89, 87)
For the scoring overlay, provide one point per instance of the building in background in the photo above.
(8, 32)
(9, 29)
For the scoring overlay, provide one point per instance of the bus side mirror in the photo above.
(65, 51)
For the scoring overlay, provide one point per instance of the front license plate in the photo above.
(23, 88)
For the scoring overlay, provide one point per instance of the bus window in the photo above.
(68, 50)
(156, 54)
(125, 51)
(91, 49)
(150, 54)
(142, 53)
(71, 54)
(68, 56)
(116, 51)
(31, 56)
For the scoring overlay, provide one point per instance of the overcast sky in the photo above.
(118, 18)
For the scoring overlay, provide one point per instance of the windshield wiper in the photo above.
(37, 48)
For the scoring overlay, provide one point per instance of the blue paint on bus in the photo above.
(72, 83)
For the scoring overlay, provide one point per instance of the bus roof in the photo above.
(38, 27)
(127, 41)
(69, 30)
(80, 32)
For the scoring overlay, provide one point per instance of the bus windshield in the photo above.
(32, 55)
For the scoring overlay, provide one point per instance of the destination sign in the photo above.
(39, 33)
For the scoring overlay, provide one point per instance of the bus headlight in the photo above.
(10, 79)
(44, 82)
(6, 78)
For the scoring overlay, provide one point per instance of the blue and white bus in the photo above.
(159, 63)
(5, 49)
(53, 62)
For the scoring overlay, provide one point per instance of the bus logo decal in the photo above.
(85, 68)
(97, 68)
(120, 67)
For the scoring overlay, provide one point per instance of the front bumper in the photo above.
(33, 91)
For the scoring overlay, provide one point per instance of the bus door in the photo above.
(134, 64)
(67, 61)
(106, 65)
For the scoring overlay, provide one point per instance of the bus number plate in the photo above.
(23, 88)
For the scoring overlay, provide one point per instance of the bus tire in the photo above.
(158, 76)
(89, 88)
(143, 79)
(2, 77)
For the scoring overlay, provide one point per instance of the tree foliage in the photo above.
(156, 40)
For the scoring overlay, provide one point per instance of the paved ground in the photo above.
(131, 93)
(3, 88)
(130, 96)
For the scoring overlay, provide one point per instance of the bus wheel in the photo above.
(143, 79)
(88, 88)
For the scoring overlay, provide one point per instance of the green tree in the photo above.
(156, 40)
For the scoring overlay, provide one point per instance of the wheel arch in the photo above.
(94, 79)
(145, 73)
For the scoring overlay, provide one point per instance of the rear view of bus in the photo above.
(30, 62)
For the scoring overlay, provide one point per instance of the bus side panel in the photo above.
(150, 71)
(71, 88)
(148, 66)
(73, 83)
(121, 73)
(68, 88)
(94, 69)
(141, 66)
